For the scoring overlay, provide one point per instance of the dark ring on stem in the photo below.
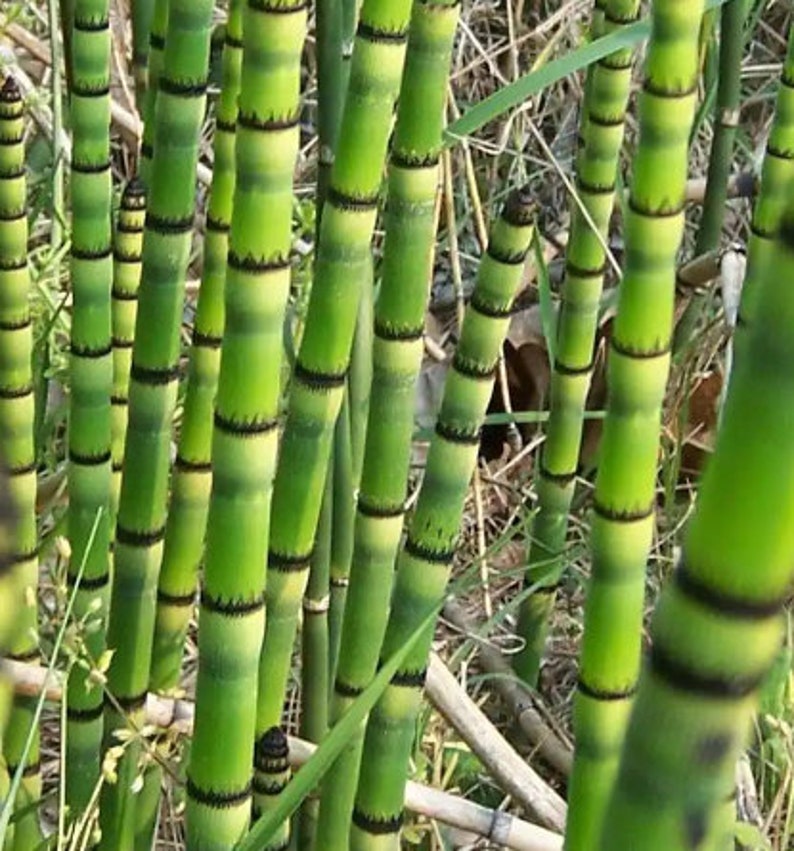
(242, 428)
(319, 380)
(87, 460)
(409, 679)
(124, 295)
(178, 601)
(100, 253)
(421, 551)
(344, 689)
(638, 354)
(182, 88)
(275, 8)
(122, 256)
(376, 34)
(561, 479)
(136, 538)
(376, 825)
(100, 91)
(492, 311)
(680, 676)
(288, 563)
(121, 343)
(92, 584)
(85, 716)
(470, 369)
(91, 168)
(231, 608)
(185, 465)
(392, 333)
(351, 203)
(623, 515)
(383, 511)
(129, 703)
(455, 434)
(13, 264)
(218, 800)
(215, 225)
(152, 376)
(207, 341)
(166, 226)
(723, 602)
(91, 25)
(605, 695)
(9, 393)
(257, 265)
(409, 161)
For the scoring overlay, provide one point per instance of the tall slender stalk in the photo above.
(128, 245)
(192, 476)
(639, 359)
(157, 32)
(717, 628)
(245, 438)
(153, 385)
(603, 116)
(424, 562)
(397, 356)
(273, 758)
(91, 376)
(318, 380)
(19, 577)
(142, 14)
(776, 175)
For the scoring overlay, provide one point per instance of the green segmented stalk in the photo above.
(318, 381)
(729, 90)
(16, 399)
(638, 365)
(776, 176)
(19, 577)
(142, 15)
(397, 358)
(315, 656)
(192, 476)
(717, 628)
(154, 378)
(603, 115)
(91, 377)
(159, 25)
(272, 752)
(424, 563)
(245, 438)
(128, 245)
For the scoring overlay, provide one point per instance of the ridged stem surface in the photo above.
(19, 570)
(127, 256)
(245, 438)
(717, 627)
(192, 476)
(425, 560)
(318, 380)
(91, 378)
(603, 114)
(147, 109)
(154, 377)
(142, 14)
(776, 176)
(639, 357)
(397, 356)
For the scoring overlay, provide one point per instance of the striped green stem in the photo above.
(142, 14)
(318, 381)
(19, 542)
(717, 629)
(158, 27)
(91, 378)
(776, 176)
(154, 379)
(425, 560)
(315, 656)
(397, 356)
(127, 248)
(19, 575)
(192, 476)
(245, 439)
(603, 116)
(729, 90)
(638, 366)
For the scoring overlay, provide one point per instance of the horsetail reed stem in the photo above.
(639, 360)
(245, 439)
(603, 115)
(19, 573)
(154, 378)
(91, 377)
(425, 560)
